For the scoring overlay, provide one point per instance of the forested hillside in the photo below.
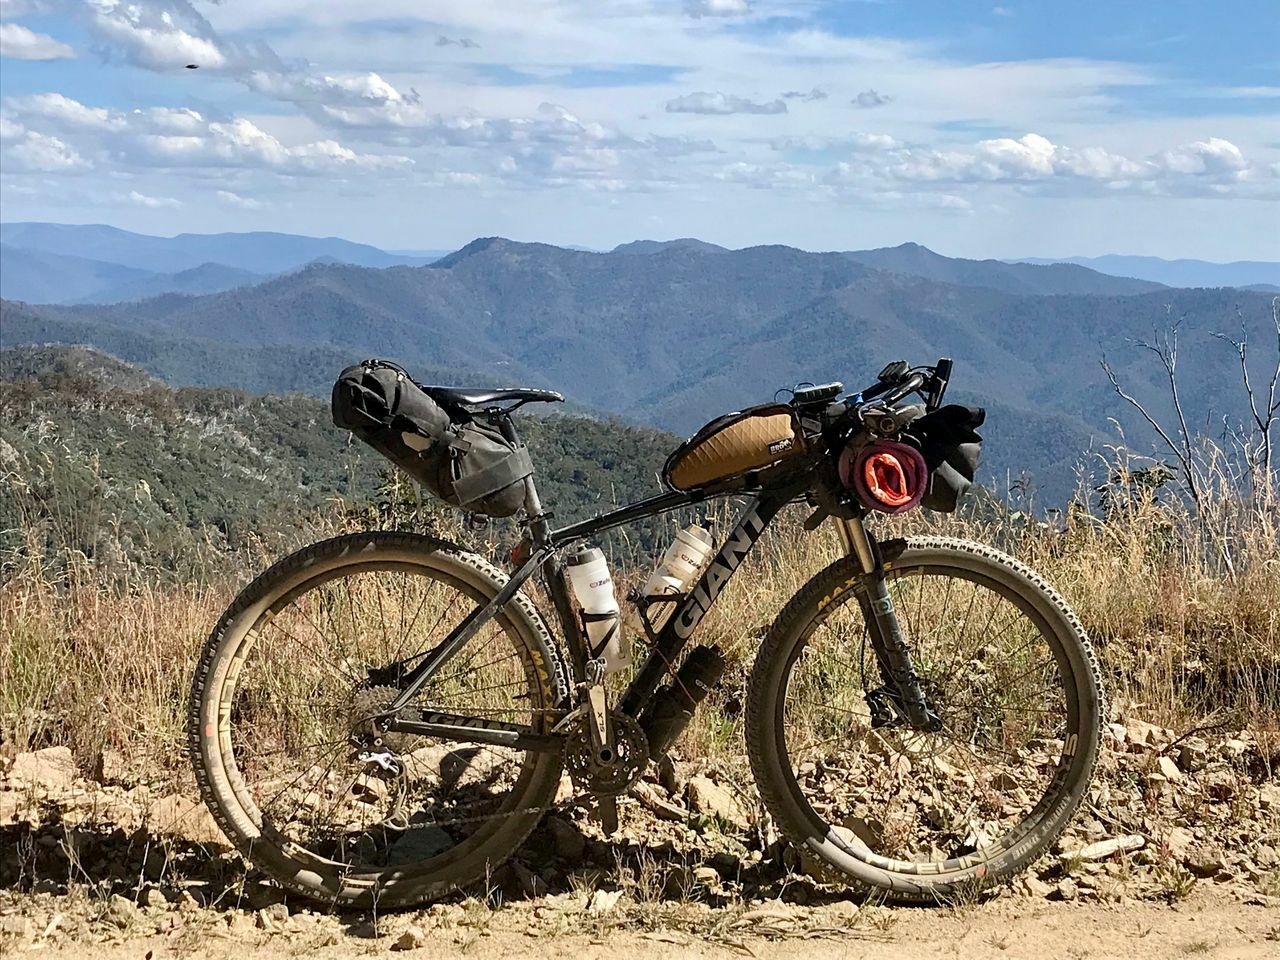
(674, 334)
(178, 478)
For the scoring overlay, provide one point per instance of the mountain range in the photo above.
(1248, 274)
(72, 264)
(94, 263)
(681, 333)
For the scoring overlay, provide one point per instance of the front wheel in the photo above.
(927, 816)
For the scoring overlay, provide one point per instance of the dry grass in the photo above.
(1185, 609)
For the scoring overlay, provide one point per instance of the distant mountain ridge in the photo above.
(681, 335)
(1179, 273)
(93, 263)
(258, 252)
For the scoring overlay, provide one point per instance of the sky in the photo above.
(982, 130)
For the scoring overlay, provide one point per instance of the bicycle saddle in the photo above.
(479, 396)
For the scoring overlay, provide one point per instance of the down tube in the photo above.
(753, 522)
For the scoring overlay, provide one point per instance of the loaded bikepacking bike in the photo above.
(383, 717)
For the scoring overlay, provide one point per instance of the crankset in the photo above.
(605, 772)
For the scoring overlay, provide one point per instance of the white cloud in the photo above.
(816, 93)
(717, 8)
(162, 137)
(1213, 167)
(722, 103)
(19, 43)
(34, 152)
(142, 200)
(65, 112)
(235, 200)
(868, 99)
(10, 9)
(168, 34)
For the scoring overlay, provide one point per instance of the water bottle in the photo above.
(675, 571)
(593, 587)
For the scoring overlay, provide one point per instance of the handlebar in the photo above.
(931, 382)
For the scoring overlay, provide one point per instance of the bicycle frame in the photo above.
(545, 546)
(671, 640)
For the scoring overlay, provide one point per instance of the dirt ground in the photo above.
(1207, 924)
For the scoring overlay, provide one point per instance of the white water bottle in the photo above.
(676, 570)
(589, 575)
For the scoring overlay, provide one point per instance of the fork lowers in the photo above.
(671, 708)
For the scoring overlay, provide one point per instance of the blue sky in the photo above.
(979, 129)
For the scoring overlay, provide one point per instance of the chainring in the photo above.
(631, 755)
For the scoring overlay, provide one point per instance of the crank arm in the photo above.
(463, 729)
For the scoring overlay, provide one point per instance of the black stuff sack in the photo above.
(949, 441)
(461, 460)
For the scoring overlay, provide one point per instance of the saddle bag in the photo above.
(463, 461)
(949, 441)
(734, 444)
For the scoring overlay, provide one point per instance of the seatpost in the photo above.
(538, 527)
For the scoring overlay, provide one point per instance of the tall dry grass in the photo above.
(1192, 638)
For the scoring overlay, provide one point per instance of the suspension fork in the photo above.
(893, 655)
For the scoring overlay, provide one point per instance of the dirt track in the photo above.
(1208, 924)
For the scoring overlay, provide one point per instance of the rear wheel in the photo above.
(283, 744)
(927, 816)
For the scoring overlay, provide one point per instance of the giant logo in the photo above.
(722, 567)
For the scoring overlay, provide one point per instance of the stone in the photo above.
(1204, 859)
(121, 911)
(1116, 732)
(1234, 748)
(1220, 784)
(278, 912)
(1193, 755)
(1035, 887)
(1178, 841)
(1066, 890)
(1104, 848)
(53, 769)
(707, 876)
(1004, 781)
(664, 809)
(154, 898)
(186, 819)
(1168, 769)
(413, 938)
(1269, 797)
(603, 901)
(1145, 734)
(707, 797)
(570, 844)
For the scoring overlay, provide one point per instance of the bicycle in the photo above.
(924, 715)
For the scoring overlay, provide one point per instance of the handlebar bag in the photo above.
(463, 461)
(949, 441)
(733, 444)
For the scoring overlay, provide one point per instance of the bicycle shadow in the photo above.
(64, 853)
